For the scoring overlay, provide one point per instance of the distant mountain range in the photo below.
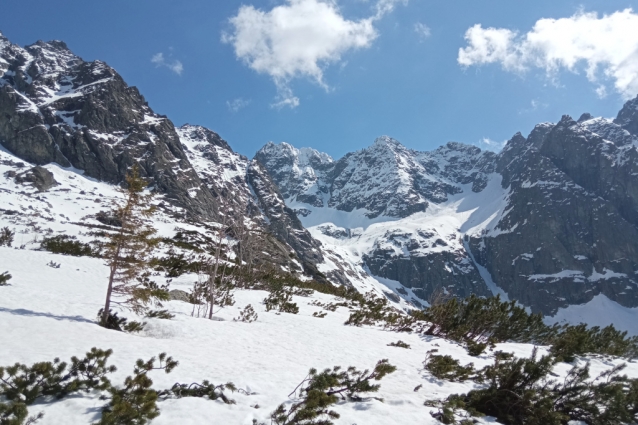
(551, 221)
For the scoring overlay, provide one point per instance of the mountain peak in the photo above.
(387, 140)
(628, 116)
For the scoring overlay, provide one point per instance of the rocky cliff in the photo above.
(550, 221)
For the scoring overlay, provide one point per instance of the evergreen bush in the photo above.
(159, 314)
(486, 320)
(4, 278)
(280, 299)
(22, 385)
(319, 391)
(399, 344)
(136, 402)
(523, 392)
(118, 323)
(447, 368)
(578, 340)
(68, 245)
(205, 389)
(6, 236)
(247, 315)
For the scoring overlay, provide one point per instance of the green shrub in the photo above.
(22, 385)
(68, 245)
(475, 348)
(486, 319)
(579, 340)
(280, 299)
(159, 314)
(175, 264)
(523, 392)
(6, 236)
(136, 402)
(4, 278)
(319, 391)
(247, 315)
(448, 368)
(399, 344)
(205, 389)
(119, 323)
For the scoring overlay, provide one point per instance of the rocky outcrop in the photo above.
(39, 177)
(560, 227)
(55, 107)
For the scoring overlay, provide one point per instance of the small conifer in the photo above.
(127, 250)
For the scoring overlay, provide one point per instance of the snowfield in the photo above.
(49, 312)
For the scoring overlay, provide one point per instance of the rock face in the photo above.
(570, 232)
(550, 221)
(245, 191)
(386, 179)
(55, 107)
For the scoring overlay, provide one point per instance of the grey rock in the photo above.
(41, 178)
(179, 295)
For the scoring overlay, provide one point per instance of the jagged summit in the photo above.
(628, 116)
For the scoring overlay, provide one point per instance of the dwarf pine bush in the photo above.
(6, 236)
(523, 392)
(319, 391)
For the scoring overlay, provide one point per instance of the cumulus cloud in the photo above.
(298, 40)
(491, 145)
(236, 104)
(606, 46)
(422, 30)
(174, 65)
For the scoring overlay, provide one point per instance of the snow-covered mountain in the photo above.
(57, 108)
(550, 221)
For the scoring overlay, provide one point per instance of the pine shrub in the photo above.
(523, 392)
(159, 314)
(205, 389)
(22, 385)
(280, 299)
(578, 340)
(6, 236)
(399, 344)
(447, 368)
(118, 323)
(136, 402)
(486, 320)
(247, 315)
(319, 391)
(4, 278)
(68, 245)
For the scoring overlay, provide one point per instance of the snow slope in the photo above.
(48, 313)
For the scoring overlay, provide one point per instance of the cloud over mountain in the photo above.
(606, 46)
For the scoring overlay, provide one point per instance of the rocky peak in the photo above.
(199, 134)
(628, 116)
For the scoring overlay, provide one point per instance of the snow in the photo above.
(48, 313)
(600, 311)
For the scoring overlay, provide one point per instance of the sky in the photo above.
(336, 74)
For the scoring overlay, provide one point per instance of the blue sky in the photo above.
(365, 68)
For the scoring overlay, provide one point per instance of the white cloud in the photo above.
(174, 65)
(422, 30)
(607, 46)
(237, 104)
(491, 145)
(298, 40)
